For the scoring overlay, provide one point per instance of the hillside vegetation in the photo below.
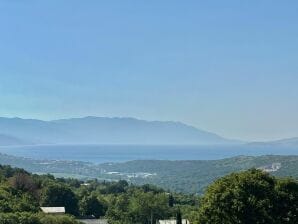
(180, 176)
(246, 197)
(22, 193)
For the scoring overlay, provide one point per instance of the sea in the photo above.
(121, 153)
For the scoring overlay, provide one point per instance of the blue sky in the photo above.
(228, 67)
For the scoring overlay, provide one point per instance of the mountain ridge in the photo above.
(108, 130)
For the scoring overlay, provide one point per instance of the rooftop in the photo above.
(53, 210)
(93, 221)
(172, 221)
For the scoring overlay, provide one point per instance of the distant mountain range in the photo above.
(103, 130)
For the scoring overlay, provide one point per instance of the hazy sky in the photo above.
(229, 67)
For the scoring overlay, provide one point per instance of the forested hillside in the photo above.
(21, 195)
(179, 176)
(247, 197)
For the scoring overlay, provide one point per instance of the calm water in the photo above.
(120, 153)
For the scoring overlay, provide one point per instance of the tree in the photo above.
(90, 205)
(249, 197)
(24, 182)
(117, 187)
(56, 195)
(178, 217)
(286, 206)
(171, 200)
(149, 207)
(140, 207)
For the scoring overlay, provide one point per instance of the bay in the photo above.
(122, 153)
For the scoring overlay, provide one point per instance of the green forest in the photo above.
(251, 196)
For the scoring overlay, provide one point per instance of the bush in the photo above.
(35, 218)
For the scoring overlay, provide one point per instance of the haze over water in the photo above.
(122, 153)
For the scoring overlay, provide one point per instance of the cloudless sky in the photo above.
(229, 67)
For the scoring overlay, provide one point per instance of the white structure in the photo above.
(271, 168)
(53, 210)
(172, 221)
(94, 221)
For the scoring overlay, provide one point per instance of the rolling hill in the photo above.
(189, 176)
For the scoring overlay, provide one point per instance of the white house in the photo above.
(93, 221)
(172, 221)
(53, 210)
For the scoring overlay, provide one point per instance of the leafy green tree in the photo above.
(286, 204)
(117, 187)
(58, 195)
(90, 205)
(118, 211)
(249, 197)
(24, 203)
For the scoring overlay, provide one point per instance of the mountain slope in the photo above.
(101, 130)
(6, 140)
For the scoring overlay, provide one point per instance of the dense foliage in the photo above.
(34, 218)
(22, 194)
(250, 197)
(247, 197)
